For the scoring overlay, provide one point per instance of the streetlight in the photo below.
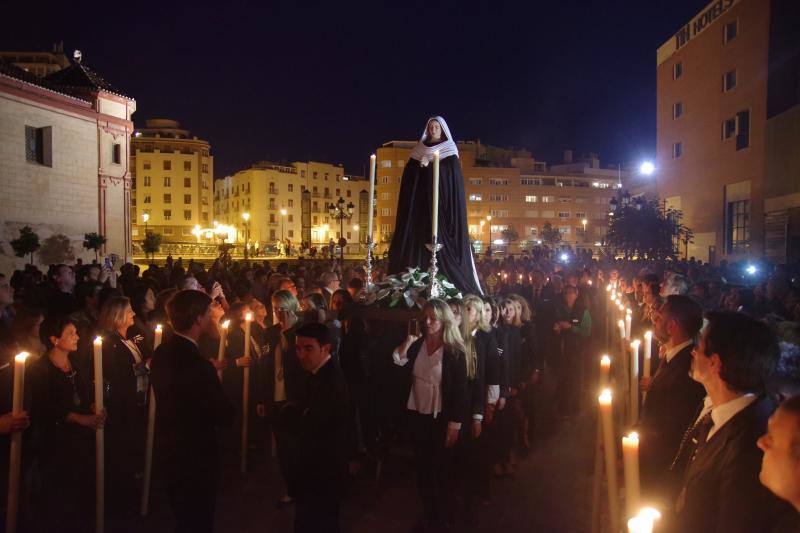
(489, 223)
(647, 168)
(283, 216)
(145, 218)
(584, 222)
(246, 218)
(340, 212)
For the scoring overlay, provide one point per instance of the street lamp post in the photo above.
(489, 223)
(246, 218)
(283, 216)
(341, 212)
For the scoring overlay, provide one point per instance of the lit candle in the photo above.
(605, 370)
(159, 334)
(223, 336)
(248, 319)
(435, 202)
(634, 411)
(609, 448)
(630, 462)
(640, 524)
(15, 458)
(628, 318)
(99, 440)
(621, 325)
(372, 164)
(648, 346)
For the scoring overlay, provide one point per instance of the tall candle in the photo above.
(248, 319)
(435, 202)
(605, 370)
(648, 346)
(15, 458)
(628, 318)
(630, 462)
(371, 199)
(223, 336)
(609, 448)
(621, 325)
(635, 381)
(99, 440)
(159, 334)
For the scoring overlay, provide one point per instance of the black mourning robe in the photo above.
(413, 224)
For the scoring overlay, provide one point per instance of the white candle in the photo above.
(628, 319)
(372, 165)
(630, 462)
(248, 319)
(223, 336)
(15, 458)
(640, 524)
(635, 381)
(621, 325)
(609, 446)
(605, 370)
(99, 441)
(648, 346)
(435, 201)
(159, 334)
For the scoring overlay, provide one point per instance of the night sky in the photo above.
(330, 83)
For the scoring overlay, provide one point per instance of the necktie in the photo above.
(693, 439)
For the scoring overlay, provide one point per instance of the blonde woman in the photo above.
(530, 367)
(126, 386)
(437, 403)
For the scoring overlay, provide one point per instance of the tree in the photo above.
(56, 249)
(647, 228)
(151, 243)
(93, 241)
(550, 235)
(26, 243)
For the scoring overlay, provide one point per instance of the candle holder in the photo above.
(368, 263)
(436, 288)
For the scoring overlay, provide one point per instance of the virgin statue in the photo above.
(413, 222)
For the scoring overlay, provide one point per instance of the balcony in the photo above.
(273, 190)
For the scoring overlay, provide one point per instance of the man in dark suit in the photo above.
(190, 406)
(673, 398)
(319, 427)
(721, 490)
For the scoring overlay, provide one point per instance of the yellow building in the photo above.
(171, 188)
(508, 189)
(39, 63)
(273, 197)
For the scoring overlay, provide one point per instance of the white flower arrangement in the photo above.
(408, 289)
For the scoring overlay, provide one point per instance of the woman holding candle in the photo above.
(126, 379)
(62, 406)
(416, 212)
(436, 380)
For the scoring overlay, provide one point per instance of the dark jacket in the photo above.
(455, 398)
(319, 426)
(476, 386)
(672, 404)
(190, 407)
(293, 374)
(721, 491)
(486, 344)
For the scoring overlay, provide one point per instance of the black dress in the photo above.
(413, 224)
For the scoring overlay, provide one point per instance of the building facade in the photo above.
(172, 191)
(290, 201)
(509, 190)
(64, 145)
(714, 85)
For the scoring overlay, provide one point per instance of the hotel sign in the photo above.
(695, 27)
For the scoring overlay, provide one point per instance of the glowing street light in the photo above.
(145, 218)
(647, 168)
(246, 218)
(283, 216)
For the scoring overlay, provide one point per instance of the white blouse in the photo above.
(426, 385)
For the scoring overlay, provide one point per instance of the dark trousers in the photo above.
(318, 515)
(193, 499)
(433, 464)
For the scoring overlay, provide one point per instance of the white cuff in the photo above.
(454, 425)
(477, 417)
(399, 361)
(492, 394)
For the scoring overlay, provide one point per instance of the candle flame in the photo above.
(21, 356)
(605, 397)
(621, 308)
(608, 288)
(158, 328)
(621, 323)
(649, 513)
(436, 153)
(248, 316)
(648, 334)
(98, 340)
(628, 311)
(632, 437)
(372, 156)
(635, 343)
(226, 324)
(605, 361)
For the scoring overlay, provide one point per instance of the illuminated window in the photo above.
(475, 197)
(531, 199)
(739, 226)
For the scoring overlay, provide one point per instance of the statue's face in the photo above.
(434, 130)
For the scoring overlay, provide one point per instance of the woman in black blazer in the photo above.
(436, 381)
(126, 384)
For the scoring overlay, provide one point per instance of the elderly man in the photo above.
(329, 281)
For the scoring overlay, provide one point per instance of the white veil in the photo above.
(424, 154)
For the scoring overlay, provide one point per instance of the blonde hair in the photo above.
(286, 300)
(112, 315)
(450, 333)
(466, 336)
(525, 309)
(471, 300)
(506, 302)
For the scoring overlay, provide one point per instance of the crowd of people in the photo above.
(333, 384)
